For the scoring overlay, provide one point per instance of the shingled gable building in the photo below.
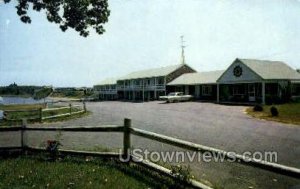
(244, 81)
(149, 84)
(202, 85)
(258, 81)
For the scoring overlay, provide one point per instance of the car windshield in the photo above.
(172, 94)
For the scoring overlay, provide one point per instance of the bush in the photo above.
(274, 111)
(182, 173)
(258, 108)
(53, 149)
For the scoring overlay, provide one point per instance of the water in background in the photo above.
(20, 100)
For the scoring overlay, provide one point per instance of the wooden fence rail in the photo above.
(39, 112)
(53, 109)
(127, 131)
(274, 167)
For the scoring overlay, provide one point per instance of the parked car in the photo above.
(176, 97)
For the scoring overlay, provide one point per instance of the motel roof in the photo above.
(108, 81)
(155, 72)
(210, 77)
(271, 69)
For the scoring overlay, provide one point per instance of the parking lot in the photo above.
(220, 126)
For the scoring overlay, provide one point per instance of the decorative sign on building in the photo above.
(237, 71)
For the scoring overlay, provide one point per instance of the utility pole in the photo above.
(182, 50)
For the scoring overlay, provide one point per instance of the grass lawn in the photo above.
(35, 114)
(34, 172)
(288, 113)
(21, 106)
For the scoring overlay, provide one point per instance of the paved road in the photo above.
(224, 127)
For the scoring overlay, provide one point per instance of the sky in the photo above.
(146, 34)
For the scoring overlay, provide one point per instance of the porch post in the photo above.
(165, 85)
(186, 89)
(143, 90)
(133, 94)
(218, 93)
(124, 90)
(155, 88)
(129, 95)
(263, 93)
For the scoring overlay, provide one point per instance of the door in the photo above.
(251, 92)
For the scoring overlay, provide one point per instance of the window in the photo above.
(206, 90)
(147, 81)
(296, 89)
(137, 82)
(238, 89)
(172, 94)
(160, 80)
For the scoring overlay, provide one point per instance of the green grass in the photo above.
(288, 113)
(21, 106)
(70, 172)
(71, 94)
(35, 114)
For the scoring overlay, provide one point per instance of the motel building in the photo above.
(149, 84)
(245, 81)
(106, 89)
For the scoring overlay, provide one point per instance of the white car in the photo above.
(176, 97)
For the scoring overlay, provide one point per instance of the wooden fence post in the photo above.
(41, 114)
(4, 115)
(24, 123)
(126, 139)
(70, 105)
(84, 106)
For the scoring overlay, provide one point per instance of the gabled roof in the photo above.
(155, 72)
(271, 69)
(108, 81)
(210, 77)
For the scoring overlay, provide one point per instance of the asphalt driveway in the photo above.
(220, 126)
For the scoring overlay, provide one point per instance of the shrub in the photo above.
(258, 108)
(274, 111)
(53, 149)
(182, 173)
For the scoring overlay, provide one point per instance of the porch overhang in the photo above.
(295, 81)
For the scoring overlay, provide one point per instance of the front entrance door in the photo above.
(251, 92)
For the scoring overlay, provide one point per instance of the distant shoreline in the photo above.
(22, 96)
(50, 97)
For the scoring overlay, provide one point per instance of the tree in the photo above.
(42, 93)
(80, 15)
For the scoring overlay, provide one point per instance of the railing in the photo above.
(39, 114)
(108, 91)
(140, 87)
(127, 131)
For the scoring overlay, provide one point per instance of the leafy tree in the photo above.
(43, 93)
(80, 15)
